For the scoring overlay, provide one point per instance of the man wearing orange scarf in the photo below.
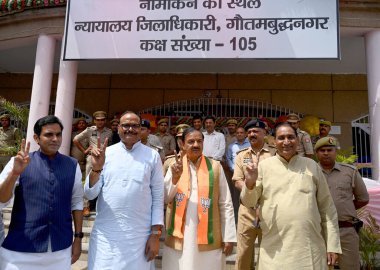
(199, 218)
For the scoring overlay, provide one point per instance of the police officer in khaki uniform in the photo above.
(324, 130)
(231, 136)
(91, 134)
(166, 139)
(349, 193)
(305, 147)
(171, 159)
(9, 137)
(151, 140)
(79, 125)
(115, 131)
(248, 224)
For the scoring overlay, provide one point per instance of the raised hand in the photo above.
(22, 158)
(98, 155)
(177, 167)
(251, 172)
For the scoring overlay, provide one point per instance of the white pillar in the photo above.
(64, 104)
(372, 44)
(41, 89)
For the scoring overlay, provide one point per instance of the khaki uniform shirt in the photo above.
(244, 157)
(8, 138)
(155, 143)
(75, 152)
(305, 147)
(168, 142)
(91, 134)
(299, 221)
(346, 184)
(168, 162)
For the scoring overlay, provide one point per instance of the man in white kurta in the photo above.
(298, 217)
(190, 257)
(130, 202)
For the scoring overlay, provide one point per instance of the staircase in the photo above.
(81, 264)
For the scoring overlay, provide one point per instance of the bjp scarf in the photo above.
(205, 176)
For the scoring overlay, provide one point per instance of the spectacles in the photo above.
(128, 126)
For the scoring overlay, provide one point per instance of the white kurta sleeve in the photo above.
(4, 174)
(157, 187)
(219, 153)
(77, 194)
(92, 192)
(170, 189)
(329, 216)
(226, 209)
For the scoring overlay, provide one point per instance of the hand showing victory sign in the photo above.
(251, 173)
(22, 158)
(177, 167)
(98, 155)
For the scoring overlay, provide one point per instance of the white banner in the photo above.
(201, 29)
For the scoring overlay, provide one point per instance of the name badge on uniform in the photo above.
(247, 160)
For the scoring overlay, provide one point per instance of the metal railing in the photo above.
(219, 107)
(361, 136)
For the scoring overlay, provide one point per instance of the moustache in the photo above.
(129, 132)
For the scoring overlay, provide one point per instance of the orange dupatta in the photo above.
(205, 178)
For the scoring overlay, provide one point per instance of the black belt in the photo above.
(345, 224)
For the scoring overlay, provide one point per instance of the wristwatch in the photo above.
(78, 235)
(157, 232)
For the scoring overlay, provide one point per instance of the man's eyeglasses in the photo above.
(128, 126)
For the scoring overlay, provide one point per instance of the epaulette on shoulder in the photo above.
(169, 157)
(349, 165)
(241, 150)
(158, 147)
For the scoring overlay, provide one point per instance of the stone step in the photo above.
(88, 223)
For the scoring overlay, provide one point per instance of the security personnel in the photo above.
(91, 134)
(171, 159)
(305, 147)
(248, 228)
(151, 140)
(115, 134)
(9, 137)
(324, 130)
(166, 139)
(349, 193)
(231, 136)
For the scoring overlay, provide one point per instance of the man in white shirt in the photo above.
(214, 143)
